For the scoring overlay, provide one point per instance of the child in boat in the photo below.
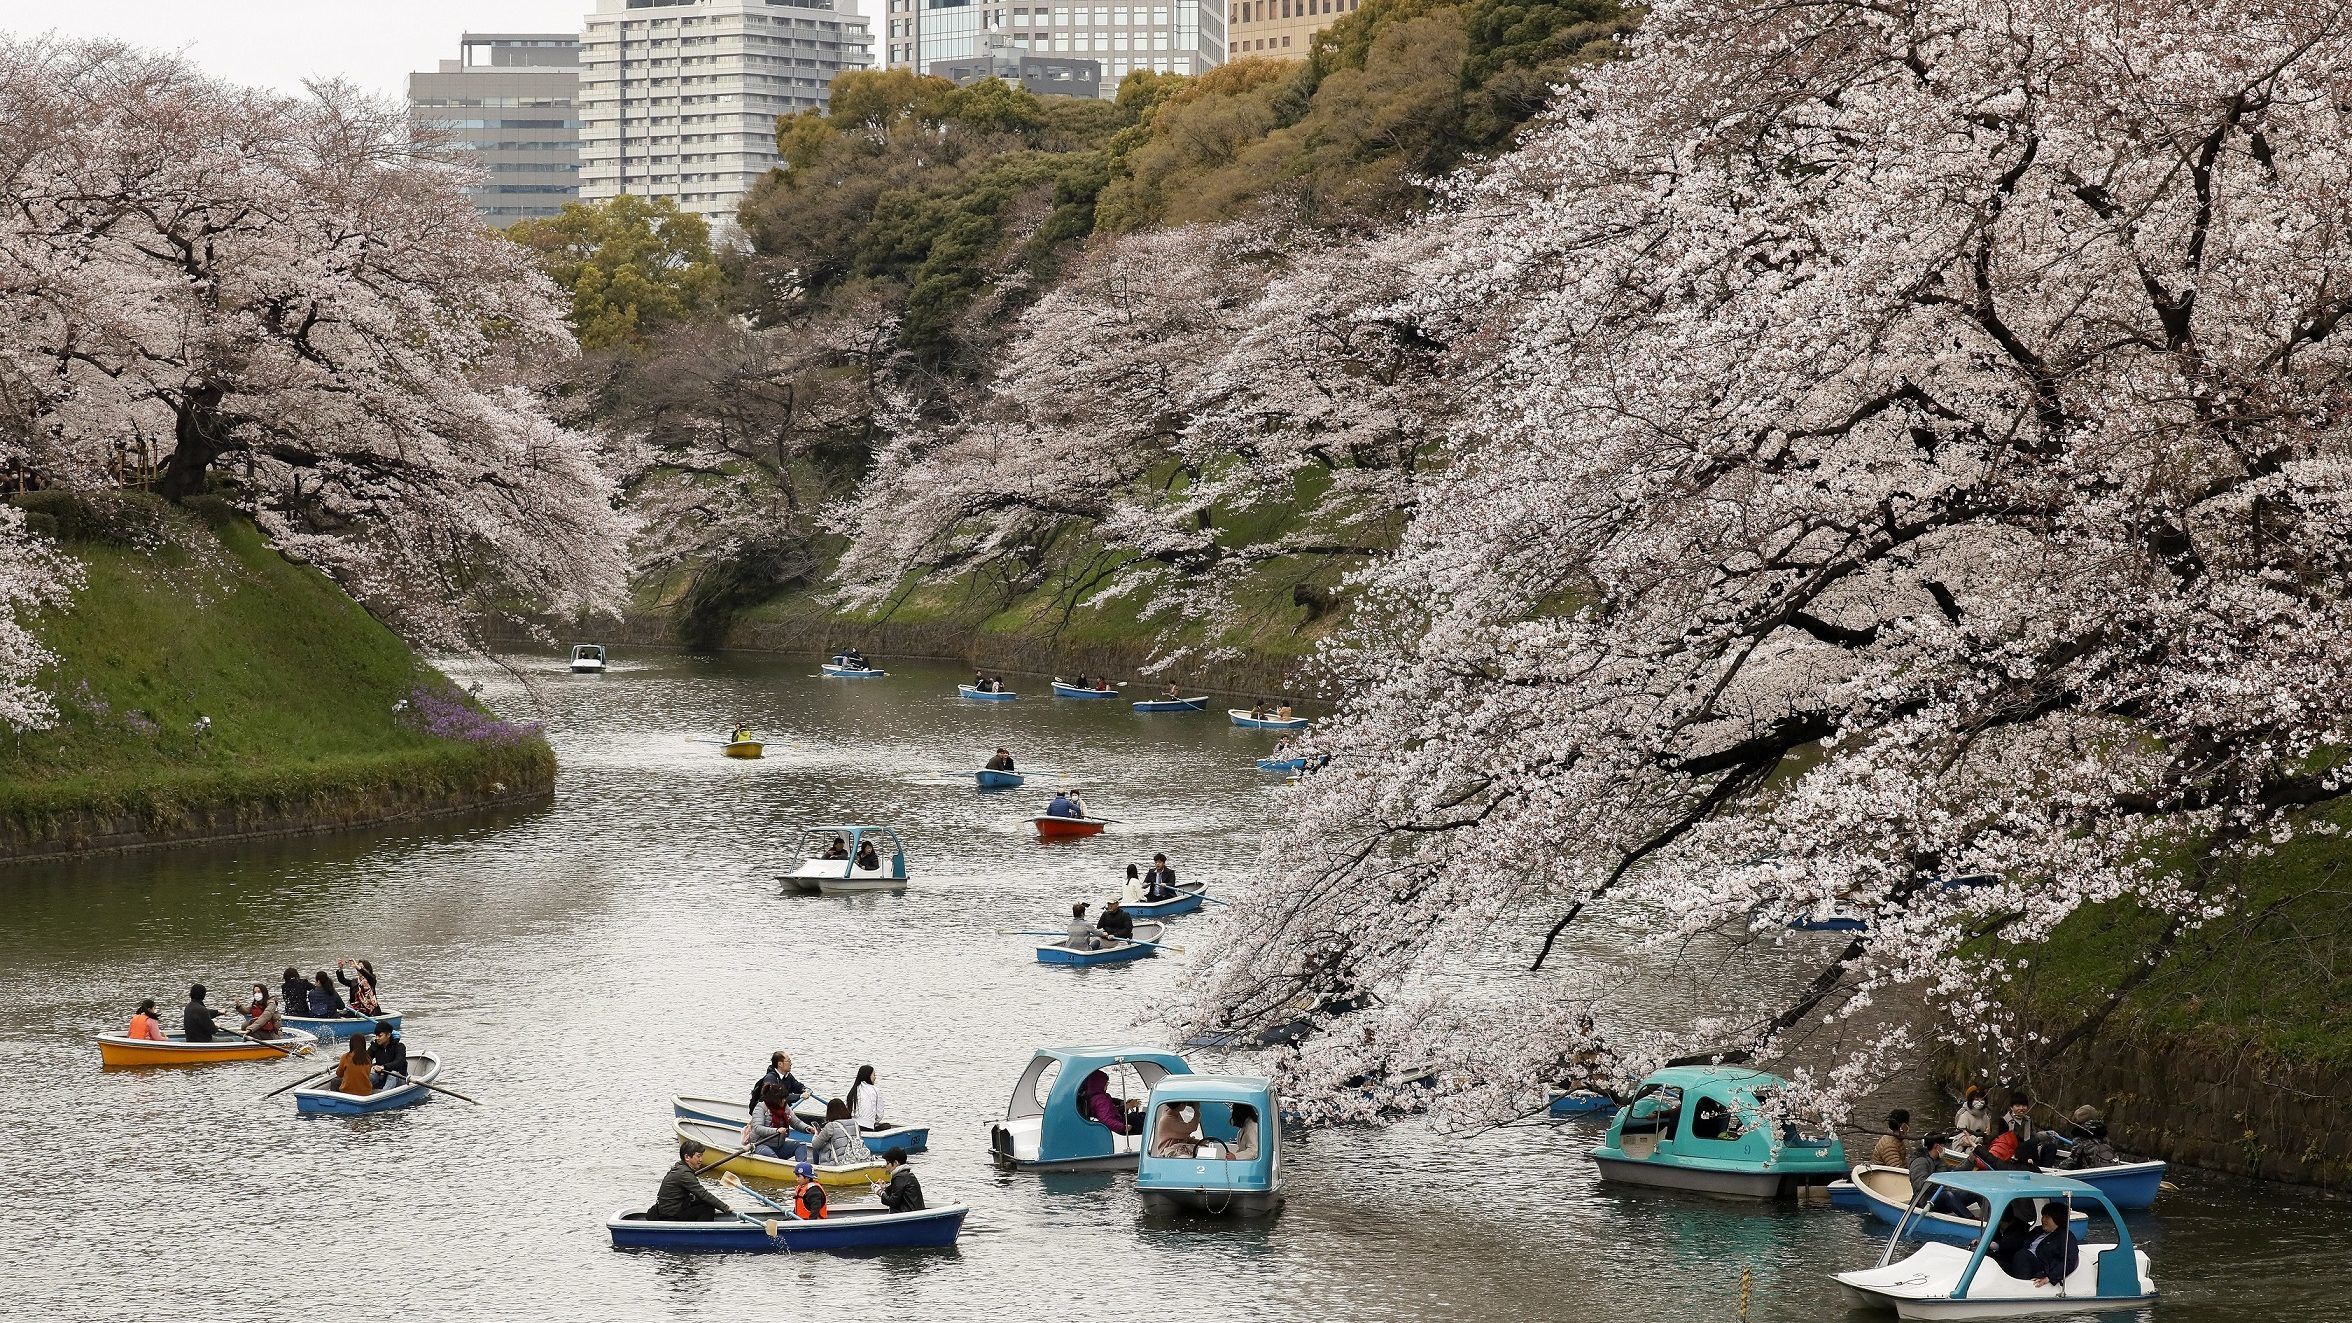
(145, 1024)
(808, 1198)
(902, 1193)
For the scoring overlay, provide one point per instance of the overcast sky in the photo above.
(278, 43)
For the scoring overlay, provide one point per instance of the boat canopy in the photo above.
(588, 650)
(1239, 1145)
(893, 859)
(1715, 1117)
(1056, 1089)
(2118, 1270)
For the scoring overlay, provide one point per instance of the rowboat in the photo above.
(979, 695)
(1885, 1193)
(1231, 1147)
(1704, 1129)
(841, 668)
(1200, 704)
(337, 1028)
(1110, 953)
(842, 877)
(2130, 1185)
(423, 1068)
(1048, 825)
(588, 659)
(1940, 1280)
(743, 749)
(844, 1230)
(1243, 719)
(1581, 1102)
(1189, 896)
(124, 1050)
(723, 1139)
(1047, 1125)
(1298, 764)
(1063, 689)
(992, 779)
(722, 1111)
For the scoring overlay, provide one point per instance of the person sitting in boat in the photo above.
(1925, 1163)
(1282, 713)
(1160, 882)
(1064, 805)
(1102, 684)
(1081, 935)
(1172, 693)
(146, 1025)
(1973, 1123)
(854, 660)
(1244, 1147)
(980, 682)
(837, 1142)
(293, 993)
(1096, 1104)
(808, 1198)
(682, 1197)
(740, 735)
(869, 859)
(901, 1193)
(353, 1069)
(2000, 1153)
(1180, 1131)
(1283, 748)
(1002, 762)
(2049, 1255)
(865, 1101)
(1890, 1150)
(359, 979)
(1115, 922)
(261, 1014)
(387, 1054)
(779, 1073)
(325, 1003)
(2035, 1145)
(1132, 892)
(1258, 712)
(1713, 1120)
(196, 1018)
(769, 1128)
(837, 848)
(2091, 1148)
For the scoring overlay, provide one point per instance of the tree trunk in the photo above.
(195, 445)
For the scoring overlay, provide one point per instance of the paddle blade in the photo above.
(770, 1227)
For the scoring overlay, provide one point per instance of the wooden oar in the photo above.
(301, 1051)
(769, 1225)
(435, 1088)
(1045, 932)
(297, 1084)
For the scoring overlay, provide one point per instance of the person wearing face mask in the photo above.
(1974, 1121)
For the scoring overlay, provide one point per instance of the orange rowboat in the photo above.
(1051, 826)
(124, 1050)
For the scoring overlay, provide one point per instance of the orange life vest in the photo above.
(146, 1026)
(804, 1207)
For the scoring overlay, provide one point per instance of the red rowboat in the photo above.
(1050, 826)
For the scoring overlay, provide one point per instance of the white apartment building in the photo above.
(1165, 36)
(679, 98)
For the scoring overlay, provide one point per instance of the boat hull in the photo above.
(118, 1050)
(1582, 1103)
(718, 1111)
(744, 749)
(342, 1027)
(1061, 690)
(851, 672)
(1282, 764)
(1697, 1180)
(2128, 1185)
(1211, 1202)
(587, 668)
(986, 695)
(1200, 704)
(991, 779)
(1171, 907)
(1248, 722)
(424, 1068)
(722, 1139)
(1905, 1307)
(1054, 953)
(1863, 1190)
(848, 1231)
(859, 884)
(1051, 826)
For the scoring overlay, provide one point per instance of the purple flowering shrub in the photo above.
(446, 715)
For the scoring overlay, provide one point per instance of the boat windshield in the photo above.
(1214, 1131)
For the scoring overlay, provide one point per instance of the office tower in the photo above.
(1043, 75)
(1279, 29)
(1171, 36)
(679, 98)
(508, 97)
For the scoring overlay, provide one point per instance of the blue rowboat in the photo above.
(837, 671)
(1582, 1102)
(341, 1026)
(986, 695)
(847, 1230)
(1062, 689)
(2127, 1185)
(1243, 719)
(991, 779)
(1111, 953)
(1200, 704)
(423, 1069)
(721, 1111)
(1282, 764)
(1189, 896)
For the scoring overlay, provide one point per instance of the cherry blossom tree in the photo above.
(289, 303)
(1196, 403)
(33, 574)
(1900, 472)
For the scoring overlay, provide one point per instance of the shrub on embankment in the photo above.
(207, 687)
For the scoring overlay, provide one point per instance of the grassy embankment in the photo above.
(187, 614)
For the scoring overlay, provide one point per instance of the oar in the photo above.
(302, 1051)
(769, 1225)
(298, 1083)
(1047, 932)
(434, 1087)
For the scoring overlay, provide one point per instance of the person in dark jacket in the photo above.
(682, 1197)
(779, 1073)
(325, 1002)
(2049, 1254)
(2091, 1149)
(196, 1018)
(387, 1054)
(1003, 761)
(293, 993)
(902, 1193)
(1160, 882)
(1115, 921)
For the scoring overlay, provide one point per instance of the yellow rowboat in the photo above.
(720, 1139)
(745, 749)
(124, 1050)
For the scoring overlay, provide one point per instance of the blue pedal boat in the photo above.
(841, 668)
(1060, 1115)
(1703, 1128)
(1111, 952)
(991, 779)
(330, 1029)
(423, 1068)
(1200, 704)
(1939, 1280)
(1064, 689)
(1211, 1145)
(721, 1111)
(840, 877)
(1189, 896)
(845, 1231)
(1242, 718)
(978, 695)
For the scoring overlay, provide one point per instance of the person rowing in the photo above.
(682, 1197)
(1065, 804)
(1160, 882)
(1003, 761)
(1172, 692)
(196, 1018)
(741, 735)
(1115, 922)
(387, 1055)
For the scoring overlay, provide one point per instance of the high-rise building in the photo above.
(509, 98)
(1169, 36)
(679, 98)
(1279, 29)
(1042, 75)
